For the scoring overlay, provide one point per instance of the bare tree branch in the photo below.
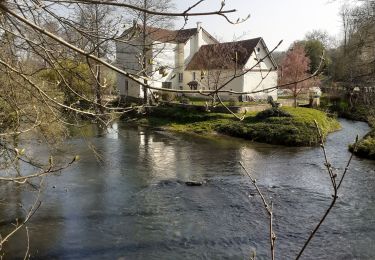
(335, 187)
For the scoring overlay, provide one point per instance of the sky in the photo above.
(274, 20)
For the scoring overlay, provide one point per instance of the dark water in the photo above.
(127, 200)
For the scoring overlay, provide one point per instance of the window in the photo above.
(180, 77)
(126, 87)
(194, 75)
(167, 84)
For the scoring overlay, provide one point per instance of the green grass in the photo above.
(296, 130)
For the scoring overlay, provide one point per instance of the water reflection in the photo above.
(134, 203)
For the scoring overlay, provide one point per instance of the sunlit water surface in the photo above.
(127, 199)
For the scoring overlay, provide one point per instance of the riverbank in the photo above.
(366, 146)
(287, 126)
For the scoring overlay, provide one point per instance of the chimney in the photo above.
(199, 35)
(199, 26)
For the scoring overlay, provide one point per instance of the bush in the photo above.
(272, 112)
(232, 102)
(185, 100)
(168, 96)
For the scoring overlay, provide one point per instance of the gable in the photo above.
(260, 53)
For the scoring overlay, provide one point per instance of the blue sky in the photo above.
(274, 20)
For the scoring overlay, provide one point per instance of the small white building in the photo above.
(193, 59)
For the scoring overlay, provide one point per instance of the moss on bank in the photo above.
(366, 146)
(294, 127)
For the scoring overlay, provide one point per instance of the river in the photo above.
(127, 199)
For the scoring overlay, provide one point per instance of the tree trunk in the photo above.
(145, 50)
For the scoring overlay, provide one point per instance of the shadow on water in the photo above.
(128, 199)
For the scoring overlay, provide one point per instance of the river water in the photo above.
(127, 199)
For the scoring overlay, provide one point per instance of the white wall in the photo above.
(175, 56)
(212, 79)
(164, 54)
(126, 59)
(264, 65)
(253, 80)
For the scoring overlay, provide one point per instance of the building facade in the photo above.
(193, 59)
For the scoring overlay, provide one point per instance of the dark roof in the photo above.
(165, 35)
(223, 55)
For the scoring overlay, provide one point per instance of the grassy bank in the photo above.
(366, 146)
(290, 126)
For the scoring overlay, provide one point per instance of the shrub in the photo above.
(366, 146)
(272, 112)
(168, 96)
(232, 102)
(185, 100)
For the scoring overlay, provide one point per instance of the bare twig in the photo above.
(335, 187)
(145, 10)
(30, 213)
(268, 207)
(50, 170)
(27, 255)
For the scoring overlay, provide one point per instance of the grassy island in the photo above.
(286, 126)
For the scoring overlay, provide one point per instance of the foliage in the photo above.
(314, 50)
(185, 100)
(168, 96)
(78, 79)
(272, 112)
(353, 60)
(366, 146)
(323, 37)
(232, 102)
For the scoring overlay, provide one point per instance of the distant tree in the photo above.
(314, 50)
(295, 67)
(353, 61)
(94, 25)
(327, 40)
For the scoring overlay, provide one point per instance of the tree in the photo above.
(294, 68)
(327, 40)
(314, 50)
(96, 25)
(353, 61)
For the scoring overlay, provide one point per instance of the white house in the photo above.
(193, 59)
